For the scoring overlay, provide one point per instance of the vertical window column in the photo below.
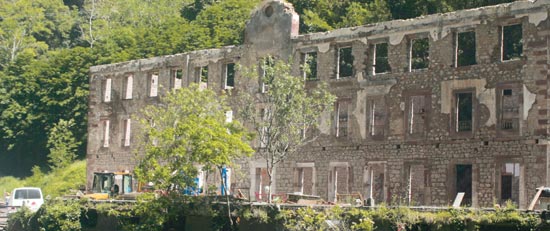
(342, 118)
(107, 85)
(106, 136)
(127, 130)
(153, 84)
(129, 85)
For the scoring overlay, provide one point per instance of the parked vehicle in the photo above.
(29, 197)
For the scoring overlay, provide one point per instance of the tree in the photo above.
(186, 130)
(283, 117)
(62, 144)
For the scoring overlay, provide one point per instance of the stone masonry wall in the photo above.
(433, 154)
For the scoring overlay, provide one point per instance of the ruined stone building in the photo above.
(427, 107)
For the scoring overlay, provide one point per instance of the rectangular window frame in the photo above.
(176, 78)
(128, 86)
(106, 127)
(409, 117)
(378, 61)
(229, 76)
(342, 131)
(153, 82)
(413, 67)
(341, 63)
(202, 76)
(466, 50)
(126, 131)
(500, 163)
(309, 60)
(506, 54)
(372, 128)
(454, 115)
(107, 89)
(501, 87)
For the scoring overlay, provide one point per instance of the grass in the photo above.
(55, 183)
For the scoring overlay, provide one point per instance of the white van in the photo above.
(30, 197)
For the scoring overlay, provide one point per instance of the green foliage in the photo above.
(187, 129)
(59, 215)
(62, 145)
(56, 183)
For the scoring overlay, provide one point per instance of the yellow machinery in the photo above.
(110, 185)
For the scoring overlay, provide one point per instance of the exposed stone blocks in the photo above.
(432, 156)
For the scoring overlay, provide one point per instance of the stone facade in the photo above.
(426, 108)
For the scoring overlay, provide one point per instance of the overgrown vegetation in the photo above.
(56, 183)
(177, 212)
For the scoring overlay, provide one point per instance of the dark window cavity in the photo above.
(464, 182)
(464, 112)
(229, 75)
(466, 49)
(380, 61)
(345, 62)
(419, 53)
(512, 42)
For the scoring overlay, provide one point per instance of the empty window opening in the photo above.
(417, 114)
(266, 73)
(202, 73)
(464, 182)
(339, 181)
(106, 127)
(229, 76)
(129, 85)
(177, 77)
(261, 189)
(419, 54)
(153, 84)
(309, 65)
(464, 112)
(345, 63)
(509, 182)
(229, 116)
(374, 182)
(465, 49)
(512, 42)
(418, 185)
(303, 180)
(377, 117)
(107, 85)
(127, 130)
(380, 62)
(509, 109)
(342, 118)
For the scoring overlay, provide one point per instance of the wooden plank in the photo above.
(535, 199)
(458, 199)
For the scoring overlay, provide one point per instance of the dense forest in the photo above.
(47, 47)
